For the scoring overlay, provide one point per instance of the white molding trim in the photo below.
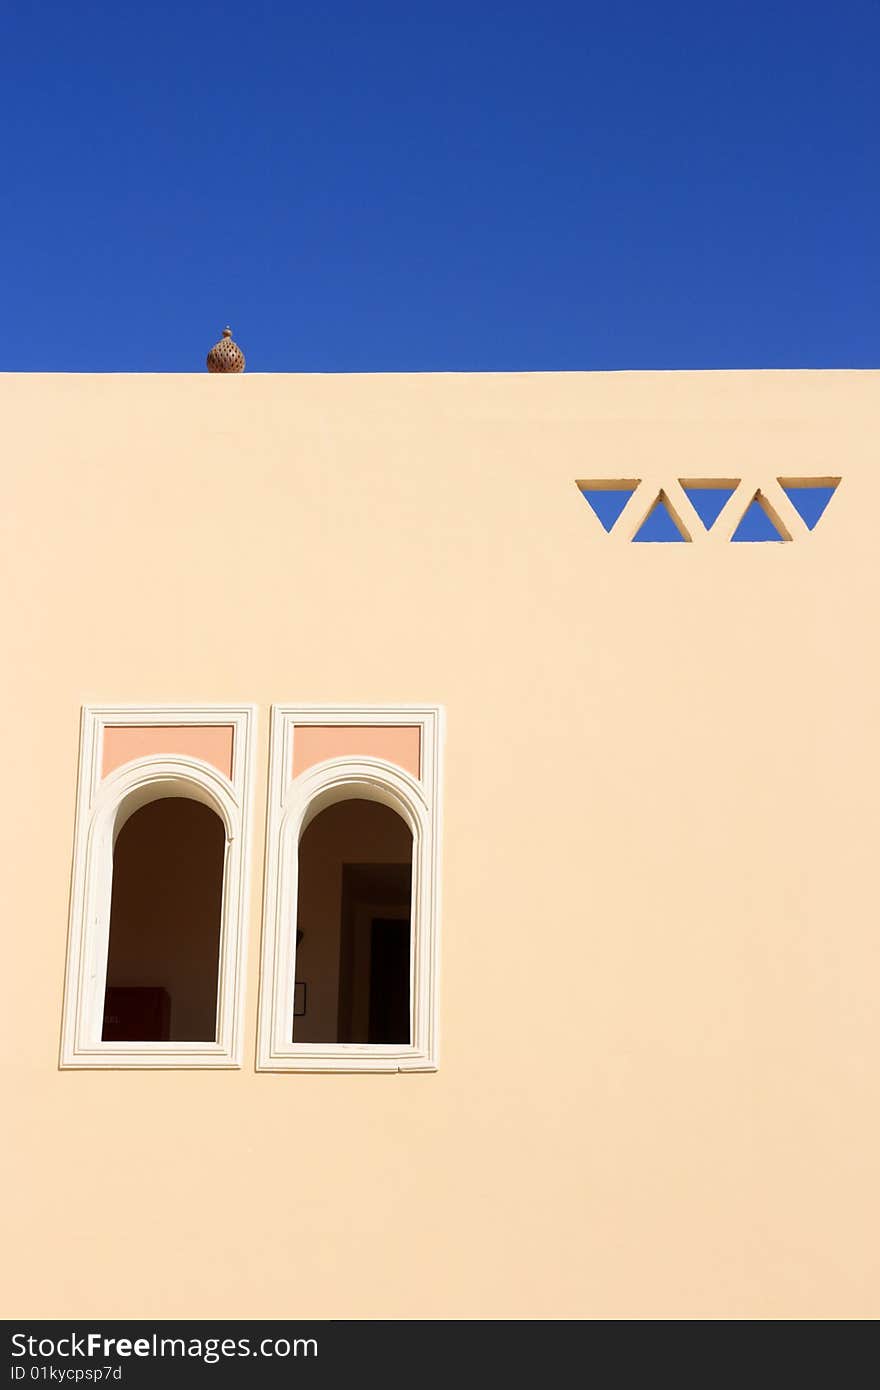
(293, 802)
(103, 805)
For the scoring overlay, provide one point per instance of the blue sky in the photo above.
(417, 187)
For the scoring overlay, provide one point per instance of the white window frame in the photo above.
(103, 806)
(293, 803)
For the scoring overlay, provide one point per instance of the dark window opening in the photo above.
(353, 927)
(165, 912)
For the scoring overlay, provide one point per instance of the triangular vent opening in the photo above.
(662, 522)
(809, 496)
(607, 499)
(708, 496)
(760, 522)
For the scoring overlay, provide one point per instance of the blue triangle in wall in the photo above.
(756, 524)
(608, 502)
(659, 524)
(707, 502)
(809, 499)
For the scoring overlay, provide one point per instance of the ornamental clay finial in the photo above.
(226, 356)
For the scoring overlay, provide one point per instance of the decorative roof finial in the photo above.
(226, 356)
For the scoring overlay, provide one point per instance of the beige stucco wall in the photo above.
(658, 1087)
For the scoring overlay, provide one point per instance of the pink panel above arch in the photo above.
(396, 743)
(210, 742)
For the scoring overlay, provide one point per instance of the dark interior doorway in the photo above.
(389, 981)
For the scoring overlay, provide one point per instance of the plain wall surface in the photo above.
(658, 1084)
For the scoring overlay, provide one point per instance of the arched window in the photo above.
(351, 927)
(163, 953)
(354, 896)
(155, 969)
